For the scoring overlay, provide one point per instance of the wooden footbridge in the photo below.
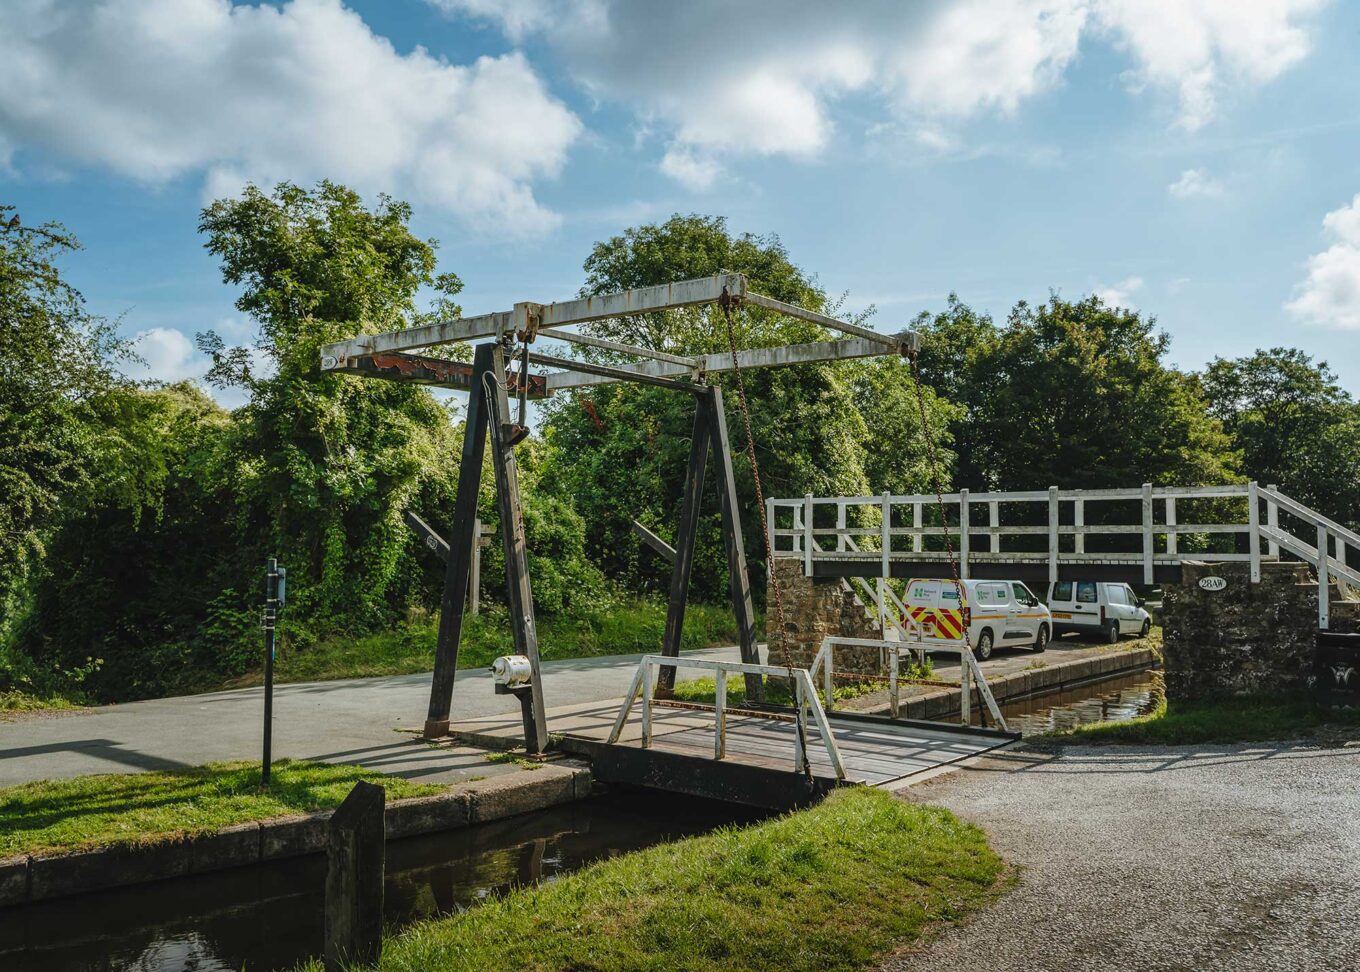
(1138, 535)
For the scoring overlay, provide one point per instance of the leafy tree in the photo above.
(58, 384)
(324, 464)
(1073, 394)
(620, 450)
(1295, 425)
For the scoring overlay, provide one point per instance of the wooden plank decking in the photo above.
(874, 752)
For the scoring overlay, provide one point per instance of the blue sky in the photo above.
(1196, 159)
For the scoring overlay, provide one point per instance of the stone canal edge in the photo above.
(43, 877)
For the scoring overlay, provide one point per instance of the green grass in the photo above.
(632, 626)
(1226, 720)
(16, 701)
(706, 690)
(141, 808)
(831, 889)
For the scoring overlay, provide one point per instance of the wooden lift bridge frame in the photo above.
(389, 356)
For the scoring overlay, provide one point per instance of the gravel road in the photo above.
(1208, 857)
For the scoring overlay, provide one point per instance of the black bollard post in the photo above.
(355, 850)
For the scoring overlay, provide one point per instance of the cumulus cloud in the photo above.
(162, 89)
(167, 355)
(1330, 294)
(1195, 184)
(720, 79)
(1196, 49)
(1120, 294)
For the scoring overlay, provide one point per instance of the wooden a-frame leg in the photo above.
(685, 537)
(460, 542)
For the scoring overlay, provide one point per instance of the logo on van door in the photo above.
(1213, 583)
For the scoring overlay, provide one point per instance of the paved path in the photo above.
(1195, 858)
(352, 721)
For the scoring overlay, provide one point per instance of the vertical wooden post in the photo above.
(356, 843)
(684, 540)
(916, 538)
(963, 532)
(840, 526)
(720, 713)
(1172, 538)
(1272, 521)
(994, 519)
(1079, 521)
(475, 581)
(460, 549)
(807, 535)
(885, 538)
(1147, 533)
(520, 595)
(739, 583)
(1254, 531)
(1324, 581)
(1052, 534)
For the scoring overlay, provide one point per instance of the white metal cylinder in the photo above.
(512, 670)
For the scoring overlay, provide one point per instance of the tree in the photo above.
(620, 450)
(58, 382)
(1073, 394)
(325, 465)
(1295, 425)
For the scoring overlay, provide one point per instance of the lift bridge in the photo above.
(758, 752)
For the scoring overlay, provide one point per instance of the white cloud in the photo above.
(1196, 184)
(1199, 48)
(721, 80)
(162, 89)
(1330, 294)
(1120, 294)
(167, 355)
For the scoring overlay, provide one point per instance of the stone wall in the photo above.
(1243, 639)
(813, 609)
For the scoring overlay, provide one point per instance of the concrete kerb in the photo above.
(42, 877)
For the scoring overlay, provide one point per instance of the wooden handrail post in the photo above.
(1272, 521)
(1147, 534)
(1254, 531)
(1324, 600)
(963, 532)
(1052, 534)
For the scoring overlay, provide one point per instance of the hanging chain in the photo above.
(725, 302)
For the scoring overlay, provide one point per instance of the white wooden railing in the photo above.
(815, 529)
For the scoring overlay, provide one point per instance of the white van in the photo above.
(1000, 613)
(1098, 608)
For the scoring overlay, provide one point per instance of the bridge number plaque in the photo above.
(1213, 583)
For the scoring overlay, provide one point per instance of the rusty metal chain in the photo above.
(725, 303)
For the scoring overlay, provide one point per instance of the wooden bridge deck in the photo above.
(758, 766)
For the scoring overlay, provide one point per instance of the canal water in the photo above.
(270, 916)
(1113, 700)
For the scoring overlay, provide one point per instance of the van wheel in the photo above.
(1146, 629)
(983, 651)
(1041, 642)
(1112, 632)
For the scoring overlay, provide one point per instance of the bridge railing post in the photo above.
(1172, 546)
(963, 532)
(994, 519)
(1079, 522)
(1052, 534)
(840, 527)
(807, 534)
(1254, 531)
(1147, 533)
(1272, 521)
(885, 537)
(1324, 607)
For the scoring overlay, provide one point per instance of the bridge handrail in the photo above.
(805, 703)
(1311, 516)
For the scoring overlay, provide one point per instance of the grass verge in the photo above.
(144, 808)
(830, 888)
(14, 701)
(1225, 720)
(630, 627)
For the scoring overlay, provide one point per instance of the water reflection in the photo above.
(269, 916)
(1115, 700)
